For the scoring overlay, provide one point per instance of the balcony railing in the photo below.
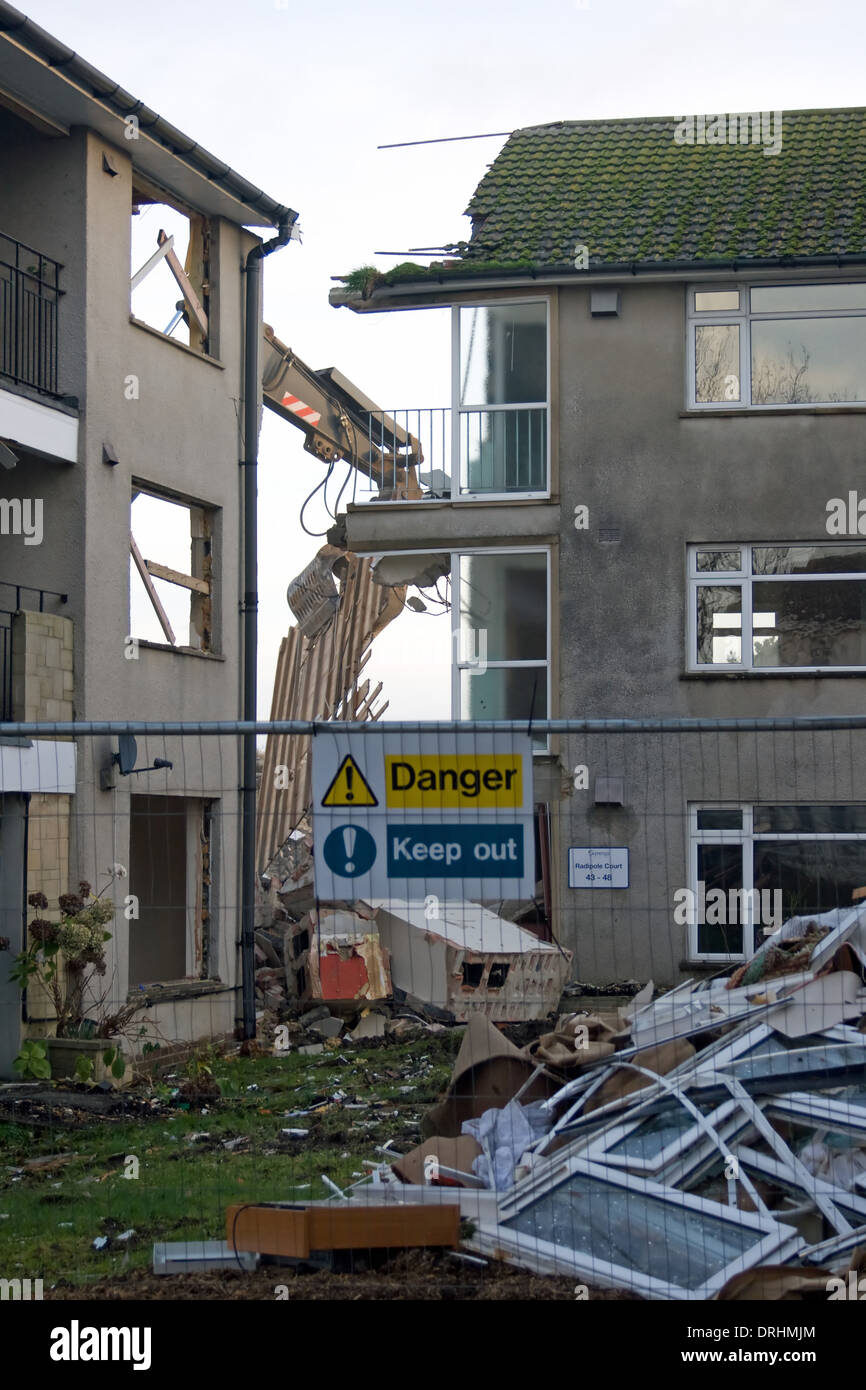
(430, 453)
(29, 296)
(14, 597)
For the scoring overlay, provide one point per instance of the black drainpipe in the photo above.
(249, 610)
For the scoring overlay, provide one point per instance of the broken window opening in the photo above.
(472, 972)
(497, 975)
(170, 286)
(171, 599)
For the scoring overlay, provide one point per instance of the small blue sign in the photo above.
(349, 851)
(454, 851)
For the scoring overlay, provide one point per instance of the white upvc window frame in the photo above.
(459, 409)
(458, 663)
(746, 837)
(744, 578)
(743, 318)
(770, 1236)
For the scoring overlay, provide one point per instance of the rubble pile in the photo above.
(708, 1143)
(459, 959)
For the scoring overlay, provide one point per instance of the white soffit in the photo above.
(38, 427)
(43, 765)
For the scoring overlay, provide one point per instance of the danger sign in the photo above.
(349, 787)
(407, 813)
(439, 781)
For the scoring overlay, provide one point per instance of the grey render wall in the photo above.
(623, 445)
(666, 481)
(181, 434)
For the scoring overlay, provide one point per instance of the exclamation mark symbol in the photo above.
(350, 774)
(350, 835)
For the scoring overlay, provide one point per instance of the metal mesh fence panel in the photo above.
(575, 1005)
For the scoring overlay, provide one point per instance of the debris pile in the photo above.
(710, 1143)
(454, 958)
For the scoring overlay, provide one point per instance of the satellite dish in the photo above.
(127, 752)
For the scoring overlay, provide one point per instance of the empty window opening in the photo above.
(170, 268)
(170, 855)
(497, 974)
(472, 973)
(171, 597)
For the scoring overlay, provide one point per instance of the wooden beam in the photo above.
(161, 251)
(187, 581)
(185, 285)
(151, 591)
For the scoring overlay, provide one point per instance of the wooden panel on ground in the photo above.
(296, 1231)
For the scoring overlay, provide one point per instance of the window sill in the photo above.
(741, 412)
(711, 967)
(184, 347)
(822, 672)
(178, 651)
(178, 989)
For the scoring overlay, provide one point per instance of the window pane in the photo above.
(796, 361)
(721, 818)
(822, 623)
(503, 354)
(832, 820)
(717, 362)
(809, 559)
(716, 301)
(720, 868)
(647, 1141)
(720, 624)
(708, 561)
(503, 597)
(787, 298)
(646, 1233)
(504, 693)
(503, 450)
(814, 875)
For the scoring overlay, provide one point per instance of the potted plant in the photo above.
(65, 958)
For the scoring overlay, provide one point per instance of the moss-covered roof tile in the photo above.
(630, 192)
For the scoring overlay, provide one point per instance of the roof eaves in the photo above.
(493, 277)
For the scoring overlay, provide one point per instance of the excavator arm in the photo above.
(338, 421)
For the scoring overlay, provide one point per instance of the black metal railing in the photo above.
(29, 296)
(13, 597)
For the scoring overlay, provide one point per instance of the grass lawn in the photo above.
(357, 1097)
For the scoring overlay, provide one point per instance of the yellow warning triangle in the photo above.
(349, 787)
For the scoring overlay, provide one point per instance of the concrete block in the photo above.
(327, 1027)
(370, 1025)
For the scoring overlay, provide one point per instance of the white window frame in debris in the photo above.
(749, 635)
(772, 1241)
(760, 320)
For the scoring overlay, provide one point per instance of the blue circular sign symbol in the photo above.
(349, 850)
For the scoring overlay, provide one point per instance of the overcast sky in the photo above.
(297, 97)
